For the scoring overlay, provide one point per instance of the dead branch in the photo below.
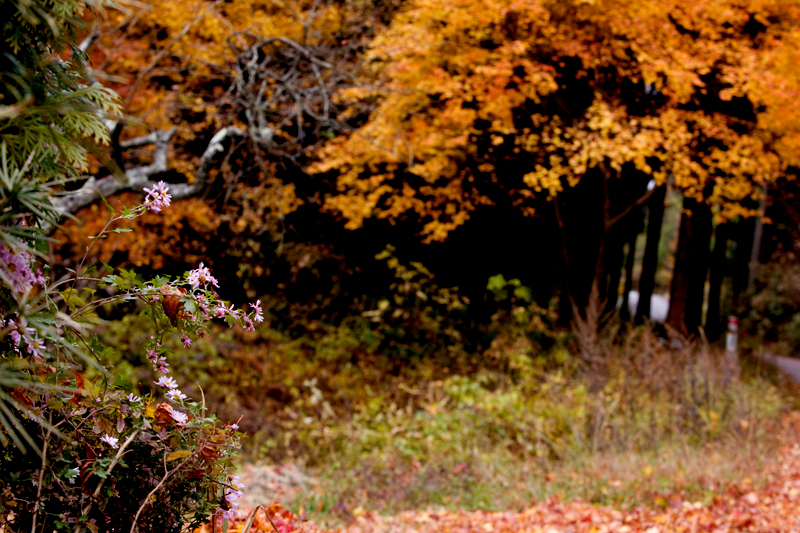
(138, 178)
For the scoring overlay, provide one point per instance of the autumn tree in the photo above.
(223, 102)
(503, 103)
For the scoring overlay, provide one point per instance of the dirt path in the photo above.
(788, 365)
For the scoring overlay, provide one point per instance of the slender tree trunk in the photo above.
(714, 324)
(744, 230)
(615, 255)
(625, 312)
(680, 276)
(698, 264)
(691, 267)
(759, 230)
(647, 281)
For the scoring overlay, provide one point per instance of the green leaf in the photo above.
(496, 283)
(106, 202)
(189, 305)
(72, 299)
(523, 293)
(122, 230)
(158, 281)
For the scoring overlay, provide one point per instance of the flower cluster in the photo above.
(116, 443)
(21, 333)
(232, 494)
(15, 266)
(201, 276)
(155, 357)
(157, 197)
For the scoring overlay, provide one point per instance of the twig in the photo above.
(38, 502)
(155, 490)
(164, 52)
(116, 459)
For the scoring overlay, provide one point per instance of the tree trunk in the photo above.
(714, 325)
(691, 267)
(756, 250)
(612, 265)
(698, 264)
(744, 229)
(647, 281)
(625, 312)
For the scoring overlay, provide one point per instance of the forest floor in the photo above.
(738, 506)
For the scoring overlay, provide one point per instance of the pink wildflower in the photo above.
(222, 310)
(15, 266)
(168, 382)
(111, 441)
(186, 340)
(231, 495)
(157, 197)
(201, 276)
(180, 418)
(35, 345)
(259, 317)
(159, 362)
(175, 394)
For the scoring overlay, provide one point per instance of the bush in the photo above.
(102, 460)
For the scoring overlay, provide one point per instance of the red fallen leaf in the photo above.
(163, 413)
(79, 381)
(24, 400)
(741, 519)
(84, 470)
(173, 306)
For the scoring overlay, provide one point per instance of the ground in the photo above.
(774, 507)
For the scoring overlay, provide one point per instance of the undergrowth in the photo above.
(639, 423)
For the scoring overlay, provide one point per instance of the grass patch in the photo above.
(465, 456)
(618, 419)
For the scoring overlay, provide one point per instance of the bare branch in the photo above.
(145, 140)
(138, 178)
(89, 40)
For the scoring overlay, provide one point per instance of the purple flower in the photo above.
(168, 382)
(133, 398)
(72, 474)
(35, 345)
(157, 197)
(159, 362)
(258, 316)
(180, 418)
(175, 394)
(201, 276)
(186, 340)
(231, 495)
(16, 266)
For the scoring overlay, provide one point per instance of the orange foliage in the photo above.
(178, 233)
(550, 89)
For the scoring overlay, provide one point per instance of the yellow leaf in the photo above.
(180, 454)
